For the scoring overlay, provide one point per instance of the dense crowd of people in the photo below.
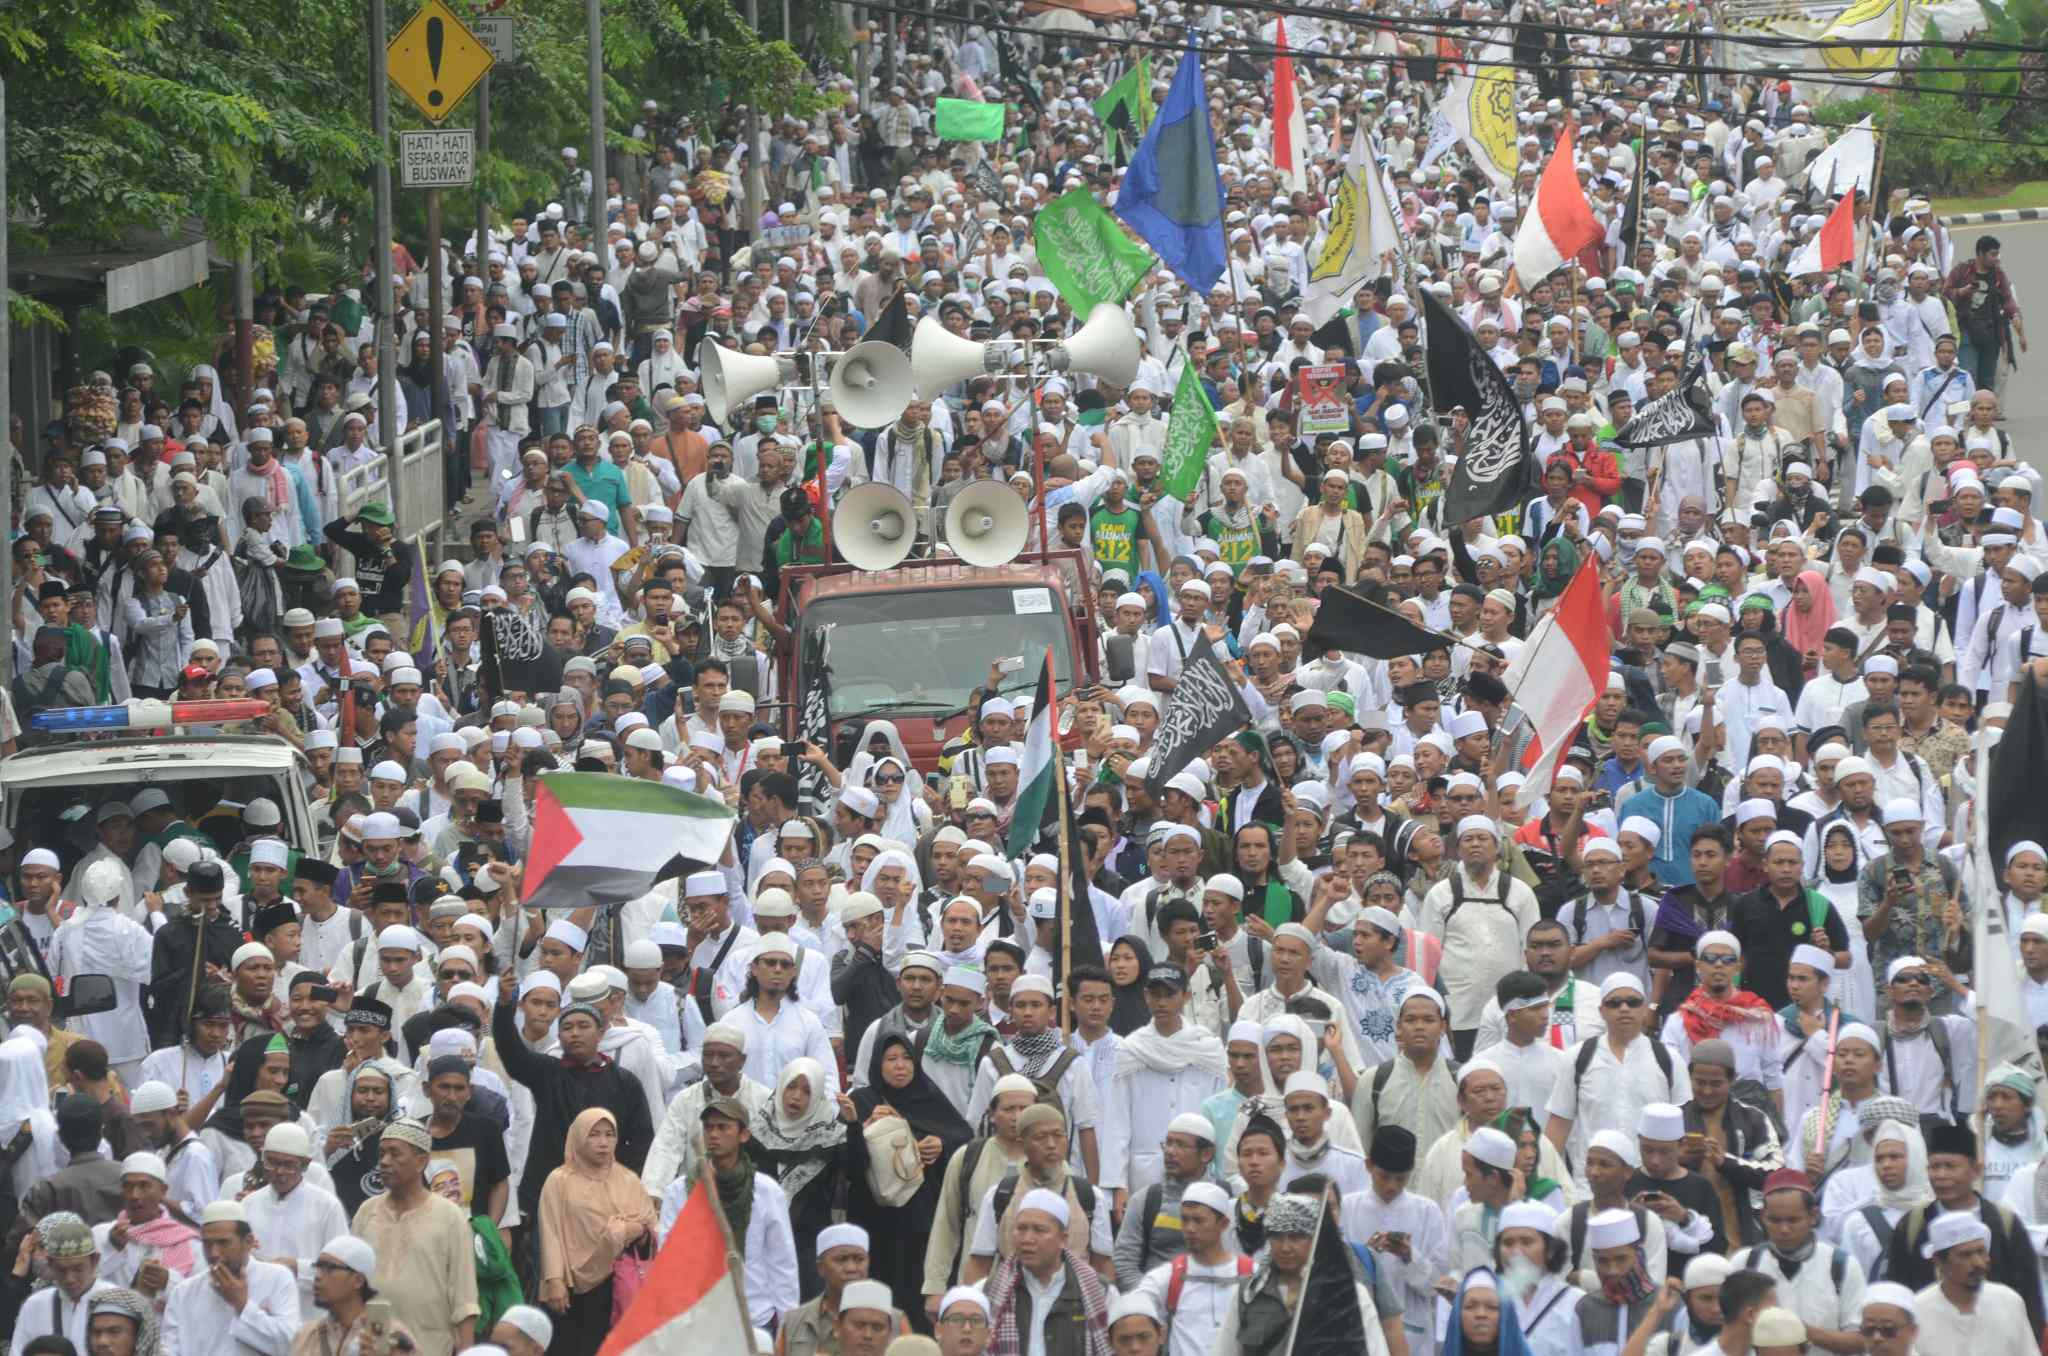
(1680, 1055)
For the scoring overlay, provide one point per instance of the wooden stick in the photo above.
(735, 1265)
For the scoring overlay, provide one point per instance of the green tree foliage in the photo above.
(1968, 119)
(254, 118)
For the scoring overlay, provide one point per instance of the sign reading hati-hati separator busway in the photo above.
(437, 159)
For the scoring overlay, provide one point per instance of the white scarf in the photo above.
(1191, 1047)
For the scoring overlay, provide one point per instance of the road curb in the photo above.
(1997, 218)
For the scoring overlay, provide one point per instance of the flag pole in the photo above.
(735, 1265)
(1066, 852)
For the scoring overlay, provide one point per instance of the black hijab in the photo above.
(246, 1065)
(1130, 1012)
(929, 1111)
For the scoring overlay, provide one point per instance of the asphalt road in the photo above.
(2023, 392)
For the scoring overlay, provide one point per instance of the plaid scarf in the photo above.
(1005, 1338)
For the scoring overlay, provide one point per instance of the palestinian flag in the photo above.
(599, 838)
(1038, 763)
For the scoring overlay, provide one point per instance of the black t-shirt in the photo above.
(477, 1148)
(1769, 933)
(1690, 1190)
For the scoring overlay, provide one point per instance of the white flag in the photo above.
(1346, 259)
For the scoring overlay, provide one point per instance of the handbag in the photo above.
(895, 1171)
(629, 1275)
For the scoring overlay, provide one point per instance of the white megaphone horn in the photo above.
(939, 358)
(1106, 346)
(874, 526)
(871, 384)
(731, 378)
(987, 525)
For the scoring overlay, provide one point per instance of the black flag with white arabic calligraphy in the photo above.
(1496, 471)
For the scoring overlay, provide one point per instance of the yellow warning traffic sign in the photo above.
(436, 60)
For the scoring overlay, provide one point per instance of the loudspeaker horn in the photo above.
(731, 378)
(1106, 346)
(987, 525)
(871, 383)
(874, 526)
(939, 358)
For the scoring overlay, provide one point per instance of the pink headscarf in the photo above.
(1805, 630)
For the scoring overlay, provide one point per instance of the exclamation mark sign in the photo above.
(434, 36)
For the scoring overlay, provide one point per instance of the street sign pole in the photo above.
(437, 308)
(483, 196)
(594, 26)
(387, 377)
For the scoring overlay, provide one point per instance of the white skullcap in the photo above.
(1046, 1203)
(398, 937)
(1492, 1148)
(569, 935)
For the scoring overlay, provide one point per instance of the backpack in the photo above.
(1047, 1084)
(1084, 1192)
(1583, 1211)
(1177, 1279)
(1385, 1075)
(1881, 1229)
(1838, 1263)
(1591, 1048)
(1457, 879)
(1937, 1033)
(1635, 916)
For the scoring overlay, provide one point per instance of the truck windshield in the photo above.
(926, 650)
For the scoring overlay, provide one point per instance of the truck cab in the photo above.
(911, 644)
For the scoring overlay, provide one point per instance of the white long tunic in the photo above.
(100, 940)
(198, 1322)
(297, 1226)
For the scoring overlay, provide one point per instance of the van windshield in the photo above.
(924, 651)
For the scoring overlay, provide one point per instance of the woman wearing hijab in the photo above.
(1807, 620)
(218, 424)
(25, 1101)
(798, 1139)
(905, 816)
(592, 1210)
(352, 1147)
(896, 1086)
(1128, 960)
(1484, 1322)
(1756, 615)
(1554, 569)
(1890, 1184)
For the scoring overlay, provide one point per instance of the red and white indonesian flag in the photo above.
(1559, 674)
(599, 838)
(1560, 221)
(1834, 244)
(1290, 127)
(690, 1303)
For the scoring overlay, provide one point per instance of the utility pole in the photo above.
(594, 23)
(387, 379)
(752, 185)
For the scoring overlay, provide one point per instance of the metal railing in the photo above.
(422, 492)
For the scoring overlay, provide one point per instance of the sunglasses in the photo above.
(1719, 958)
(1883, 1332)
(889, 779)
(1920, 977)
(1621, 1003)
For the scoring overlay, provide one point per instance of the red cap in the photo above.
(196, 673)
(1788, 1179)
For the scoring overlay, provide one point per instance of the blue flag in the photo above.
(1171, 193)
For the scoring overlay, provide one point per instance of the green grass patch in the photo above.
(2032, 194)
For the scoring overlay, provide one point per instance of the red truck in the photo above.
(910, 644)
